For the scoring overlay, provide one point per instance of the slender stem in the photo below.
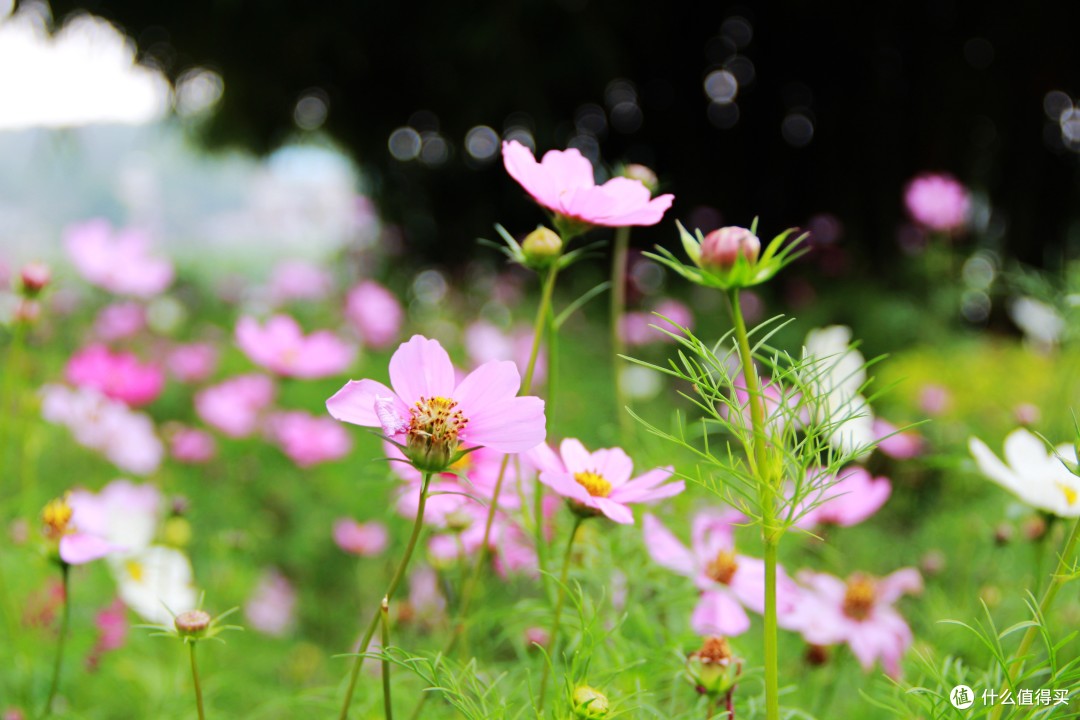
(553, 639)
(195, 679)
(418, 526)
(388, 703)
(65, 621)
(766, 492)
(9, 405)
(618, 308)
(1061, 576)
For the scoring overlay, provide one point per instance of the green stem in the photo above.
(9, 405)
(553, 639)
(388, 703)
(618, 308)
(758, 457)
(1061, 576)
(65, 621)
(195, 679)
(418, 526)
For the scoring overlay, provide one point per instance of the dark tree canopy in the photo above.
(889, 89)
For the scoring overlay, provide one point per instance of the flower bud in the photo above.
(1003, 533)
(817, 655)
(35, 276)
(1035, 528)
(642, 174)
(589, 703)
(722, 248)
(542, 247)
(712, 669)
(192, 624)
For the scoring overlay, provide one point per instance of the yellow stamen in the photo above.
(56, 517)
(1071, 496)
(860, 597)
(594, 483)
(723, 568)
(134, 570)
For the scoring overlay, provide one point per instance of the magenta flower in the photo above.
(599, 483)
(728, 582)
(435, 417)
(193, 362)
(271, 609)
(73, 545)
(375, 313)
(119, 321)
(364, 539)
(846, 501)
(637, 327)
(119, 376)
(308, 440)
(118, 262)
(563, 183)
(896, 444)
(281, 347)
(112, 627)
(938, 201)
(235, 406)
(190, 445)
(860, 613)
(299, 280)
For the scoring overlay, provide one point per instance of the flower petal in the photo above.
(717, 613)
(512, 426)
(489, 384)
(566, 486)
(906, 580)
(614, 510)
(664, 548)
(355, 403)
(81, 548)
(575, 456)
(421, 368)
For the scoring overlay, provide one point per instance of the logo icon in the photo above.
(962, 697)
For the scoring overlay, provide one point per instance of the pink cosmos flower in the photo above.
(600, 481)
(563, 183)
(235, 406)
(782, 405)
(934, 399)
(375, 313)
(118, 262)
(938, 202)
(728, 582)
(859, 613)
(193, 362)
(281, 347)
(123, 514)
(117, 375)
(125, 437)
(846, 501)
(308, 440)
(364, 539)
(119, 321)
(299, 280)
(435, 416)
(898, 445)
(271, 609)
(191, 445)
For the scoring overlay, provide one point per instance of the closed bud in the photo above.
(542, 247)
(712, 669)
(35, 276)
(192, 624)
(589, 703)
(722, 248)
(643, 175)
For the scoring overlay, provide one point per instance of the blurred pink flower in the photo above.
(898, 445)
(234, 406)
(636, 327)
(308, 440)
(119, 376)
(782, 405)
(299, 280)
(125, 437)
(281, 347)
(859, 613)
(119, 321)
(119, 262)
(364, 539)
(846, 500)
(934, 399)
(563, 183)
(485, 342)
(191, 445)
(728, 582)
(434, 415)
(375, 313)
(938, 201)
(600, 482)
(124, 514)
(536, 636)
(193, 362)
(112, 627)
(271, 609)
(426, 601)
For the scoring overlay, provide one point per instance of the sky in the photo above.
(84, 74)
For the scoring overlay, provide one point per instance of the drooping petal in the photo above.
(614, 510)
(421, 368)
(717, 613)
(644, 486)
(490, 384)
(355, 403)
(511, 426)
(80, 548)
(566, 486)
(650, 496)
(664, 548)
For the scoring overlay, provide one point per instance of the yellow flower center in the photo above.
(436, 419)
(56, 518)
(134, 570)
(1071, 495)
(594, 483)
(860, 597)
(723, 567)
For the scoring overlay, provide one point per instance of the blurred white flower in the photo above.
(836, 372)
(1040, 323)
(156, 583)
(1036, 476)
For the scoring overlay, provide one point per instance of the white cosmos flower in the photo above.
(1032, 473)
(837, 372)
(156, 583)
